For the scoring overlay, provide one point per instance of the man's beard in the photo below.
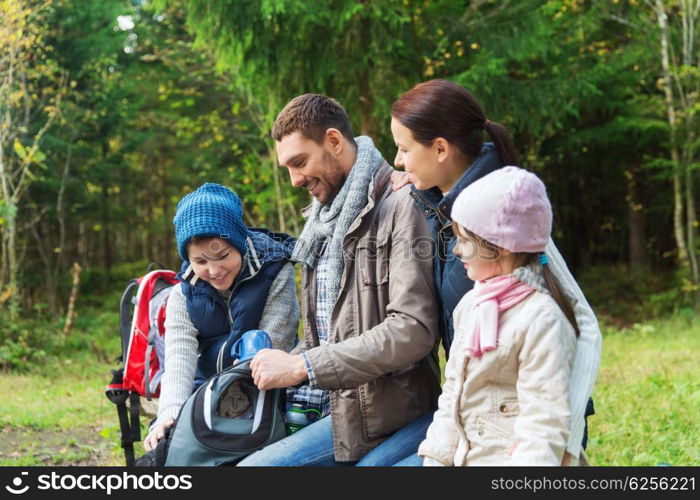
(335, 176)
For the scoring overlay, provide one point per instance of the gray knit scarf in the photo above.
(332, 220)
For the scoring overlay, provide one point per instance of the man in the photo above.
(369, 307)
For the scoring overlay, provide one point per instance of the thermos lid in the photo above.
(249, 344)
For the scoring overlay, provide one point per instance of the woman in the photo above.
(438, 128)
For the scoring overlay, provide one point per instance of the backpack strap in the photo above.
(135, 425)
(147, 371)
(130, 431)
(125, 305)
(161, 450)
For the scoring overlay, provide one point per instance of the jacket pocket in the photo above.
(372, 257)
(389, 402)
(489, 442)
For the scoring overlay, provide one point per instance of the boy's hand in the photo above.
(157, 434)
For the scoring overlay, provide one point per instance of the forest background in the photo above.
(111, 111)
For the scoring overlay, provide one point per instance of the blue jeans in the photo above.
(309, 446)
(400, 449)
(411, 461)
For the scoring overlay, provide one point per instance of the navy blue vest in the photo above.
(451, 281)
(221, 323)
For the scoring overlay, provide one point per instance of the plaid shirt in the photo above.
(309, 395)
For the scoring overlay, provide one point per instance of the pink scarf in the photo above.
(492, 297)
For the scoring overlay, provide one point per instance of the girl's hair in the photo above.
(550, 280)
(440, 108)
(555, 289)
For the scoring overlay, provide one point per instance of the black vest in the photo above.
(220, 322)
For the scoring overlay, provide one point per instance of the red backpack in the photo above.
(142, 319)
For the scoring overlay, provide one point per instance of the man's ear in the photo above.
(335, 140)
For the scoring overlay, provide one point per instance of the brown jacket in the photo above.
(383, 326)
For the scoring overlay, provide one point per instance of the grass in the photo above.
(62, 418)
(59, 419)
(648, 396)
(55, 411)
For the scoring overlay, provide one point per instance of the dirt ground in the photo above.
(32, 446)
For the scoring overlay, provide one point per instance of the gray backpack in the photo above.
(223, 421)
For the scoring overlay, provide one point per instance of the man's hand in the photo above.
(274, 368)
(399, 179)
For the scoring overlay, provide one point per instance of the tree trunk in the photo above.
(690, 12)
(70, 315)
(368, 124)
(166, 242)
(636, 217)
(12, 288)
(43, 248)
(106, 245)
(678, 229)
(9, 297)
(61, 218)
(691, 232)
(82, 247)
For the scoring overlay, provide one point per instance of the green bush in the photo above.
(32, 345)
(23, 345)
(19, 356)
(677, 300)
(622, 298)
(97, 281)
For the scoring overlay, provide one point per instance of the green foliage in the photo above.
(184, 93)
(19, 355)
(146, 119)
(38, 345)
(576, 87)
(8, 211)
(622, 297)
(352, 50)
(98, 281)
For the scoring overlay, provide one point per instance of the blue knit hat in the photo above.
(212, 210)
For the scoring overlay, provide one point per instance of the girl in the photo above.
(233, 279)
(438, 128)
(505, 400)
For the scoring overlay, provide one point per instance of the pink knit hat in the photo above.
(509, 208)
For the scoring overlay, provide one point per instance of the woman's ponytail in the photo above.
(503, 142)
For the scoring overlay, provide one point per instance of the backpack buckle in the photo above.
(115, 390)
(116, 395)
